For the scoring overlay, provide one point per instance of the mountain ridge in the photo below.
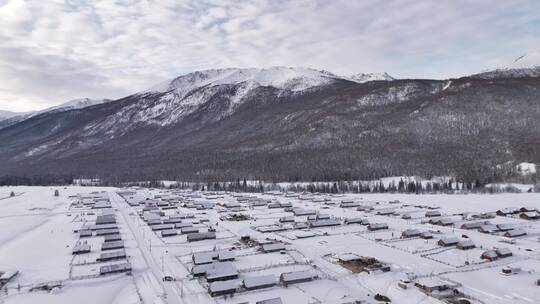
(230, 126)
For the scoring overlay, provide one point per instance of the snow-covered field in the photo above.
(38, 233)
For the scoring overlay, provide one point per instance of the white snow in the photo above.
(74, 104)
(36, 238)
(70, 105)
(526, 168)
(524, 65)
(365, 77)
(289, 78)
(8, 114)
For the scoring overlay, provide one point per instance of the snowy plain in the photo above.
(37, 236)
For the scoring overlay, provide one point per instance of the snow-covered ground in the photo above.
(38, 232)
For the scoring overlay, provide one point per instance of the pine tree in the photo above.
(401, 185)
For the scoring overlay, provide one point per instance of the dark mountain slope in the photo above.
(465, 127)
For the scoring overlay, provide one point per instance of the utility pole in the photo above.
(162, 264)
(182, 288)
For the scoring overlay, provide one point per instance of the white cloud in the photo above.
(70, 49)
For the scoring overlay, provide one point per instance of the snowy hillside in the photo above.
(75, 104)
(288, 122)
(8, 118)
(187, 93)
(526, 65)
(363, 77)
(294, 79)
(233, 86)
(8, 114)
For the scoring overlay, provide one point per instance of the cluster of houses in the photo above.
(105, 226)
(436, 287)
(153, 214)
(465, 244)
(219, 271)
(413, 233)
(308, 218)
(93, 200)
(527, 213)
(507, 230)
(216, 269)
(495, 254)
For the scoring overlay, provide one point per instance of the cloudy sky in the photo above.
(53, 51)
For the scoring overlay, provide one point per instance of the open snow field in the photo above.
(153, 234)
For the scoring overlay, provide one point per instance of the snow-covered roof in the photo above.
(466, 243)
(270, 301)
(503, 251)
(325, 223)
(296, 275)
(449, 240)
(273, 247)
(112, 254)
(515, 232)
(112, 245)
(411, 232)
(258, 281)
(115, 268)
(223, 286)
(346, 257)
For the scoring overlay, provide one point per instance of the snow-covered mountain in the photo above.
(510, 73)
(8, 118)
(285, 122)
(527, 60)
(365, 77)
(525, 65)
(181, 96)
(80, 103)
(287, 78)
(9, 114)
